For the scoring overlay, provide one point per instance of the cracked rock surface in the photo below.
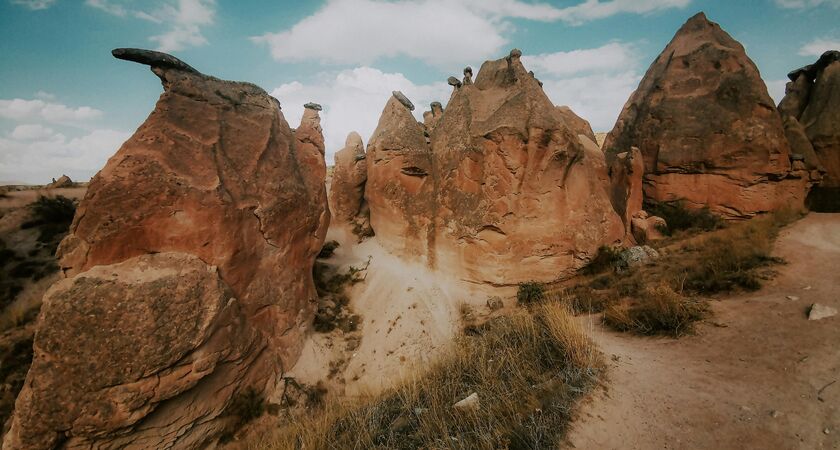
(188, 272)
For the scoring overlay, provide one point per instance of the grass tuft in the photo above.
(659, 311)
(678, 217)
(528, 370)
(530, 292)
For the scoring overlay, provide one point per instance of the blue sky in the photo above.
(66, 105)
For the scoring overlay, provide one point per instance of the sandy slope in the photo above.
(748, 380)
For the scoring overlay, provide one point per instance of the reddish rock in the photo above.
(62, 182)
(216, 177)
(431, 118)
(347, 190)
(576, 123)
(626, 172)
(708, 131)
(505, 191)
(821, 116)
(646, 228)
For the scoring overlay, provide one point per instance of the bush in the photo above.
(528, 370)
(52, 216)
(659, 311)
(678, 217)
(530, 292)
(604, 260)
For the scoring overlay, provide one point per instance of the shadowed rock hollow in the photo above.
(188, 269)
(501, 191)
(707, 129)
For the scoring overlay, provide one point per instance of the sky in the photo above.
(66, 105)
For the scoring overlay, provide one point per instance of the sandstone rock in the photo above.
(314, 106)
(216, 176)
(707, 129)
(821, 119)
(800, 145)
(126, 353)
(348, 186)
(819, 311)
(495, 303)
(470, 403)
(473, 201)
(62, 182)
(626, 171)
(468, 73)
(431, 118)
(454, 82)
(576, 123)
(647, 228)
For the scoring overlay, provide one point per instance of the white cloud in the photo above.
(353, 101)
(818, 46)
(184, 20)
(34, 4)
(31, 132)
(801, 4)
(609, 57)
(438, 32)
(21, 110)
(42, 155)
(598, 9)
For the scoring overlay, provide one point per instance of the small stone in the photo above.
(314, 106)
(807, 288)
(775, 414)
(819, 311)
(792, 298)
(454, 82)
(827, 431)
(471, 403)
(404, 100)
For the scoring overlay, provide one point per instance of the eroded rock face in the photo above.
(576, 123)
(347, 191)
(626, 172)
(205, 223)
(431, 117)
(708, 131)
(504, 192)
(820, 111)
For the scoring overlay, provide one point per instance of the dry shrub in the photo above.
(605, 260)
(527, 368)
(679, 218)
(659, 311)
(530, 292)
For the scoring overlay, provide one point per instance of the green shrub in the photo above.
(530, 292)
(604, 260)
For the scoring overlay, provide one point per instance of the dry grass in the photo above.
(662, 297)
(527, 369)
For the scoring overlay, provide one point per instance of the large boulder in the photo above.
(707, 129)
(504, 192)
(189, 272)
(347, 191)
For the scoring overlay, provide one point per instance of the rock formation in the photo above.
(431, 118)
(188, 273)
(811, 109)
(504, 192)
(708, 131)
(576, 123)
(626, 172)
(62, 182)
(347, 191)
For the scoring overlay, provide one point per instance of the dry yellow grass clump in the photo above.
(527, 370)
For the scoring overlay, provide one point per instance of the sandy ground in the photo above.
(409, 314)
(758, 376)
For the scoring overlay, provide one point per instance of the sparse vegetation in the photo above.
(530, 292)
(604, 260)
(528, 369)
(659, 311)
(52, 216)
(333, 311)
(678, 217)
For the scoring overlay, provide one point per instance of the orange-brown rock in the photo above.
(708, 131)
(577, 124)
(347, 190)
(189, 272)
(431, 117)
(505, 191)
(626, 171)
(646, 228)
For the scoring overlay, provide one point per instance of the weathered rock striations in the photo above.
(504, 192)
(347, 192)
(188, 273)
(708, 131)
(811, 107)
(577, 124)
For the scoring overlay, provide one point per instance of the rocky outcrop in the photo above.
(503, 192)
(188, 273)
(431, 117)
(62, 182)
(811, 106)
(577, 124)
(347, 190)
(626, 172)
(707, 129)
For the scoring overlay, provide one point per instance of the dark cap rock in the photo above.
(404, 100)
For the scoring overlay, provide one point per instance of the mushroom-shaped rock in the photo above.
(821, 118)
(312, 105)
(454, 82)
(431, 118)
(348, 185)
(707, 129)
(473, 205)
(188, 270)
(404, 100)
(468, 74)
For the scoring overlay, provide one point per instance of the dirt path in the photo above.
(750, 379)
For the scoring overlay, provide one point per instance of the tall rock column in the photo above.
(187, 273)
